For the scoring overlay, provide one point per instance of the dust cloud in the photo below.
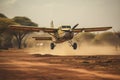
(84, 49)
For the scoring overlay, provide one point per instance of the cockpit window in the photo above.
(66, 26)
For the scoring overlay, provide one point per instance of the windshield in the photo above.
(66, 26)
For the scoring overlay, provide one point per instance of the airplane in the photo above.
(59, 35)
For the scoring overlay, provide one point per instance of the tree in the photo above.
(5, 36)
(24, 21)
(20, 35)
(2, 15)
(4, 24)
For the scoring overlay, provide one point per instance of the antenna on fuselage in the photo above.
(51, 24)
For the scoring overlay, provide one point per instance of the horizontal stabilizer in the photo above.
(42, 38)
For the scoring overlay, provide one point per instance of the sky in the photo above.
(88, 13)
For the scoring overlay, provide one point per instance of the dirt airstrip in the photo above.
(19, 65)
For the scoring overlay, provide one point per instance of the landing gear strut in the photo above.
(74, 45)
(52, 45)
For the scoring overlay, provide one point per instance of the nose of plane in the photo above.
(69, 35)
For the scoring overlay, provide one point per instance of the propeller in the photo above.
(75, 26)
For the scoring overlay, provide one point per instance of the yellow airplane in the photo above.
(59, 35)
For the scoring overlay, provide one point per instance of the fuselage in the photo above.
(63, 34)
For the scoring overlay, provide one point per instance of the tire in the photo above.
(74, 46)
(52, 45)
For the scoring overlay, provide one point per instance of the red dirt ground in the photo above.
(18, 65)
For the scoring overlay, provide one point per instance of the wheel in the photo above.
(74, 45)
(52, 45)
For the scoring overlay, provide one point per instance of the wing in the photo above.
(91, 29)
(31, 28)
(42, 38)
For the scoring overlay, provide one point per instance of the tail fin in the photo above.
(51, 24)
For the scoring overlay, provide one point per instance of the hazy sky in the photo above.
(88, 13)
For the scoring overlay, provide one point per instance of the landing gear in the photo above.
(74, 45)
(52, 45)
